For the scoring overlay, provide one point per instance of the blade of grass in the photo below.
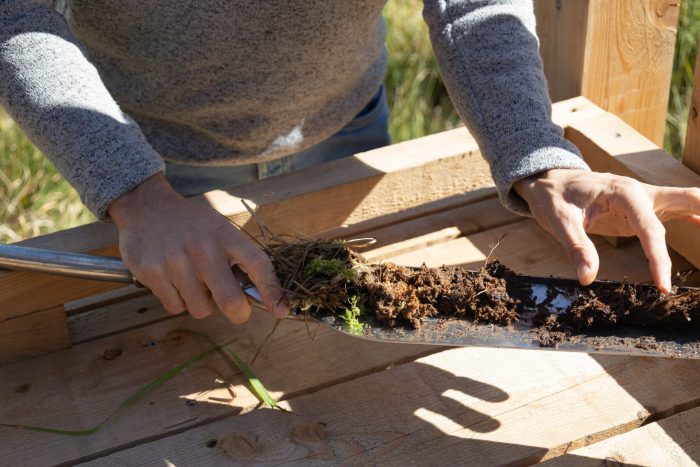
(135, 397)
(255, 385)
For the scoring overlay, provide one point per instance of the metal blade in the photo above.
(452, 331)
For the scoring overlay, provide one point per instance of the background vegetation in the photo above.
(34, 199)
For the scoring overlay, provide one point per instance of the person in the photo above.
(218, 92)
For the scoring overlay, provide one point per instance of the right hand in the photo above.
(184, 253)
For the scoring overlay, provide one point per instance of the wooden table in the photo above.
(351, 401)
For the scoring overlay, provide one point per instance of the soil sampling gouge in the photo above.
(553, 293)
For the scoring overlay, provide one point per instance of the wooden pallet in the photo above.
(352, 401)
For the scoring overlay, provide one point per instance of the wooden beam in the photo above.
(629, 58)
(691, 152)
(561, 28)
(617, 53)
(610, 145)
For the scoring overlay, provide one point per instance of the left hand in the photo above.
(569, 203)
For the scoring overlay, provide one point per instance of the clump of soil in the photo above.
(323, 276)
(400, 294)
(606, 306)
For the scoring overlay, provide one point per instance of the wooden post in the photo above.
(617, 53)
(691, 153)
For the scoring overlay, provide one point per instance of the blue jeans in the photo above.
(368, 130)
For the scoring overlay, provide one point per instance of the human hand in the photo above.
(568, 203)
(184, 253)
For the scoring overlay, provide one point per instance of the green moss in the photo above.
(330, 268)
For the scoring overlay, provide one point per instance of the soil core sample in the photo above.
(328, 277)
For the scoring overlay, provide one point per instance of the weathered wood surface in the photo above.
(292, 365)
(671, 441)
(617, 53)
(34, 334)
(561, 28)
(466, 406)
(77, 387)
(610, 145)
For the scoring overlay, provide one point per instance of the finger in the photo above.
(168, 295)
(191, 288)
(257, 265)
(692, 219)
(567, 227)
(677, 201)
(225, 290)
(652, 236)
(154, 277)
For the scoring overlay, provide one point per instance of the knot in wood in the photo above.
(112, 354)
(309, 433)
(239, 445)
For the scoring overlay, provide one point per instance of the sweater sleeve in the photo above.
(488, 55)
(56, 95)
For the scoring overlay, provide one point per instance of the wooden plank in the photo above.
(33, 334)
(467, 406)
(116, 317)
(691, 151)
(610, 145)
(628, 60)
(435, 228)
(527, 249)
(561, 28)
(94, 377)
(671, 441)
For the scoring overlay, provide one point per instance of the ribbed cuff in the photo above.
(528, 153)
(118, 169)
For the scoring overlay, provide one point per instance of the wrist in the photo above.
(154, 189)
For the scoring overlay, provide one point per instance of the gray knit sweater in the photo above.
(108, 90)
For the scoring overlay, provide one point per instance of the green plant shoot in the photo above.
(351, 316)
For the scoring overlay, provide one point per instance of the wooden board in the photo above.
(528, 249)
(610, 145)
(691, 152)
(561, 28)
(424, 231)
(77, 387)
(617, 53)
(671, 441)
(629, 58)
(466, 406)
(34, 334)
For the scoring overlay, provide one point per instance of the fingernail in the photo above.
(281, 311)
(584, 270)
(666, 285)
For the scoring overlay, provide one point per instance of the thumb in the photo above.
(568, 229)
